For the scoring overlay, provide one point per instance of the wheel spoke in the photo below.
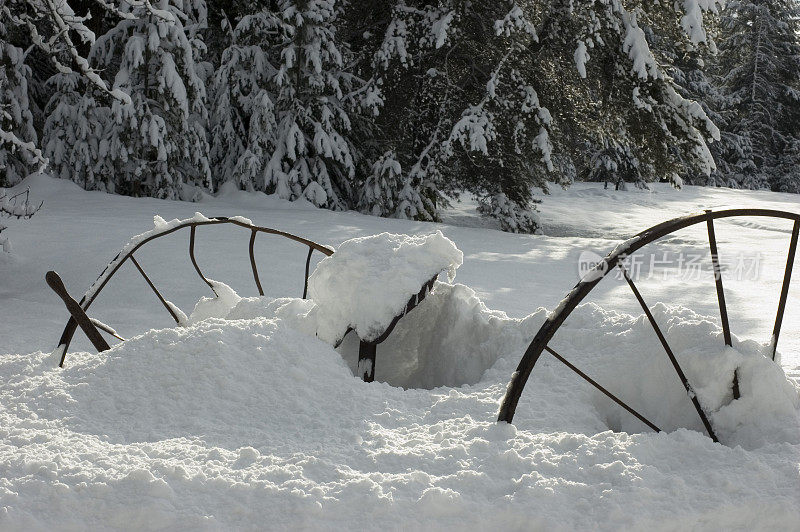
(253, 263)
(308, 263)
(194, 261)
(670, 354)
(608, 394)
(155, 290)
(787, 279)
(723, 308)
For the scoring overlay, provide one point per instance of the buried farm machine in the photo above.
(539, 344)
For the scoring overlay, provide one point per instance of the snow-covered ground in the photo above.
(247, 420)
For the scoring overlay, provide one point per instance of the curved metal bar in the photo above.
(410, 305)
(308, 263)
(112, 267)
(253, 262)
(587, 284)
(194, 261)
(367, 349)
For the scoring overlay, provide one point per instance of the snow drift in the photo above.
(238, 422)
(246, 416)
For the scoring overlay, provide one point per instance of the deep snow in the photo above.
(250, 421)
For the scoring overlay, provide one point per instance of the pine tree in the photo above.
(75, 137)
(632, 114)
(243, 115)
(283, 89)
(458, 109)
(760, 70)
(501, 97)
(18, 140)
(157, 141)
(46, 30)
(385, 191)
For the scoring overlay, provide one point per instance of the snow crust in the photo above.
(369, 280)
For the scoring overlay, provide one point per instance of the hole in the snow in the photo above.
(450, 339)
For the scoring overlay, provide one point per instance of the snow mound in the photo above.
(452, 339)
(230, 383)
(369, 280)
(218, 306)
(231, 423)
(623, 353)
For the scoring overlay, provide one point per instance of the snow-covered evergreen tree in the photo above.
(76, 132)
(458, 108)
(19, 154)
(500, 97)
(156, 141)
(760, 68)
(243, 116)
(283, 104)
(629, 109)
(46, 29)
(614, 163)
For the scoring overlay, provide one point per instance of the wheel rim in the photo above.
(614, 260)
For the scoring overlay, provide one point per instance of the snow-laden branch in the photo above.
(15, 206)
(64, 21)
(34, 153)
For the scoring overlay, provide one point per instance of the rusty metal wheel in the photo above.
(615, 260)
(79, 308)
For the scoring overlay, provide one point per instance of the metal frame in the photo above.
(78, 309)
(367, 348)
(614, 260)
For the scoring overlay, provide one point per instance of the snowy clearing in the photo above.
(243, 419)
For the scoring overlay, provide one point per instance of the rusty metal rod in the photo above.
(308, 264)
(155, 290)
(194, 261)
(253, 262)
(367, 349)
(366, 361)
(103, 327)
(670, 354)
(608, 394)
(787, 279)
(723, 308)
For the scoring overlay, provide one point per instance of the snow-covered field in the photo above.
(246, 420)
